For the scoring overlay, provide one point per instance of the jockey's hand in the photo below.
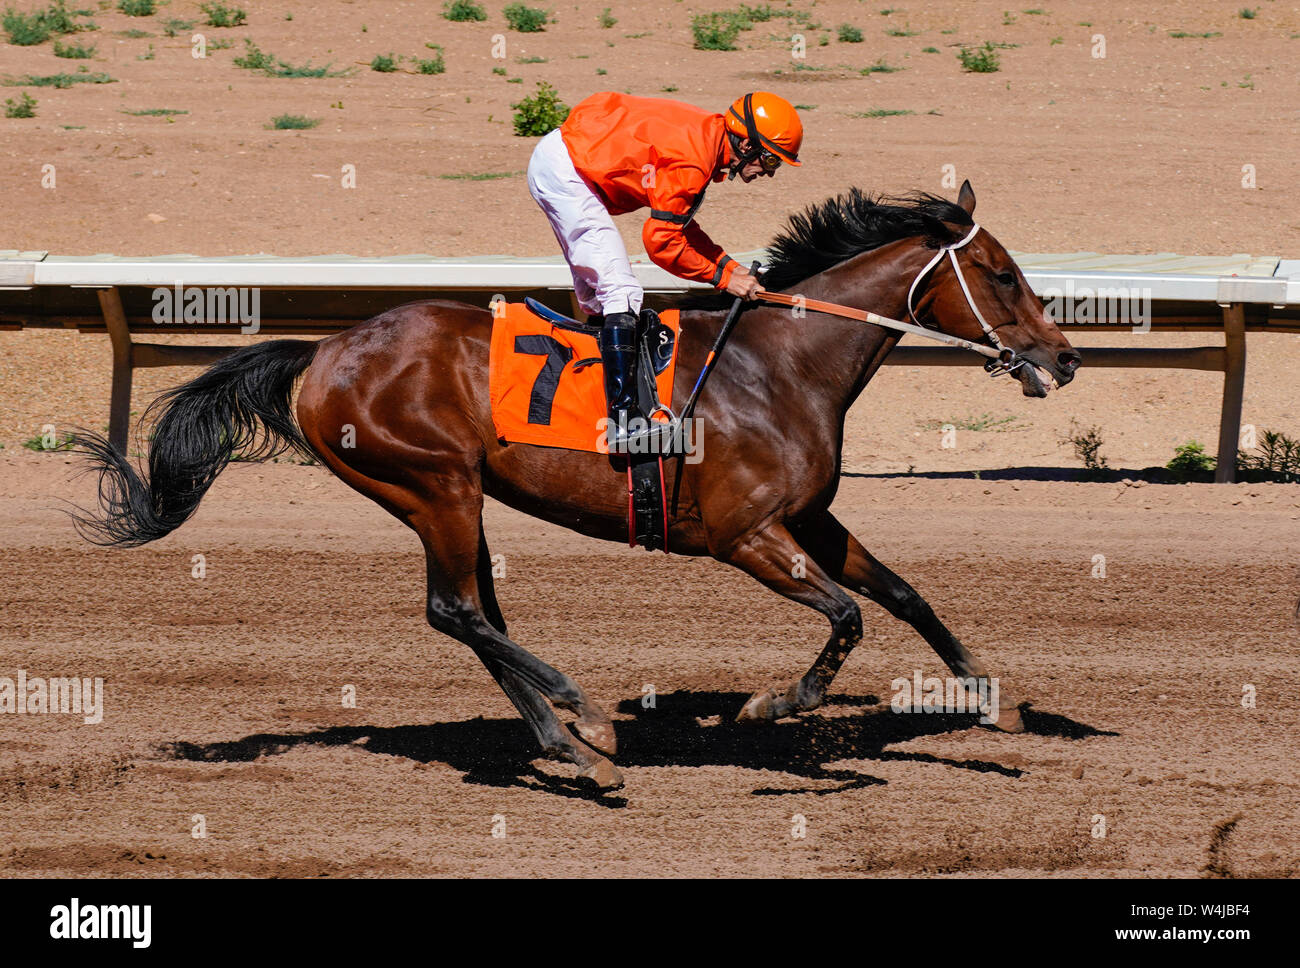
(743, 283)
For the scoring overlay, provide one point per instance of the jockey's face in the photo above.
(755, 168)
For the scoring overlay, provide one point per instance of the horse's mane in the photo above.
(827, 233)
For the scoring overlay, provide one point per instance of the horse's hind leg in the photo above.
(555, 740)
(846, 561)
(452, 542)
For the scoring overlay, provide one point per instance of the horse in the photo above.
(398, 408)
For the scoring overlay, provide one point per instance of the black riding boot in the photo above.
(618, 356)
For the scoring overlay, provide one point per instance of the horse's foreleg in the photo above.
(775, 558)
(844, 558)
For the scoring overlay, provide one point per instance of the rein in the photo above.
(1001, 358)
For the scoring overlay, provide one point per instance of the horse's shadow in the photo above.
(680, 729)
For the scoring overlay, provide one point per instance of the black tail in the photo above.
(239, 406)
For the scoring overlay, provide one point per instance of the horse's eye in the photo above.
(1007, 278)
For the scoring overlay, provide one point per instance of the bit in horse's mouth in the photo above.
(1035, 381)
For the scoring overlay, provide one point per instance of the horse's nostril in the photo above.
(1068, 361)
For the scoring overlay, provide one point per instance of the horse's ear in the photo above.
(966, 197)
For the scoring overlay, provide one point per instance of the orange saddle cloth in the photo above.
(546, 382)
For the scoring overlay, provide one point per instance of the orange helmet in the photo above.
(771, 124)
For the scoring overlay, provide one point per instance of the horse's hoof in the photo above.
(603, 773)
(1009, 720)
(762, 707)
(598, 734)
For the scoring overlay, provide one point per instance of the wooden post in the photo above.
(1234, 386)
(119, 335)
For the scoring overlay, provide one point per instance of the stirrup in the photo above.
(647, 439)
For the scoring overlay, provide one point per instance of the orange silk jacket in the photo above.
(639, 151)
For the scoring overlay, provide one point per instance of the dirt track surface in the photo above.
(223, 695)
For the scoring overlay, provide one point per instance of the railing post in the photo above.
(1234, 386)
(119, 335)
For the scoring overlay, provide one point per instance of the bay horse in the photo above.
(413, 384)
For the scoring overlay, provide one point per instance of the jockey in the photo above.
(617, 153)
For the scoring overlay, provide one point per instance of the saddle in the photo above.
(647, 499)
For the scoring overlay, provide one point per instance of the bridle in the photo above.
(1001, 358)
(1007, 360)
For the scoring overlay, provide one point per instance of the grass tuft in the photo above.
(74, 51)
(463, 11)
(526, 19)
(254, 59)
(30, 29)
(292, 122)
(540, 113)
(979, 60)
(482, 176)
(1087, 447)
(881, 113)
(434, 64)
(61, 80)
(880, 67)
(23, 107)
(219, 15)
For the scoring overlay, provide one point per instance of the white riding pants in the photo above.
(602, 273)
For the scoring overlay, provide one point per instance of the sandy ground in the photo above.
(223, 694)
